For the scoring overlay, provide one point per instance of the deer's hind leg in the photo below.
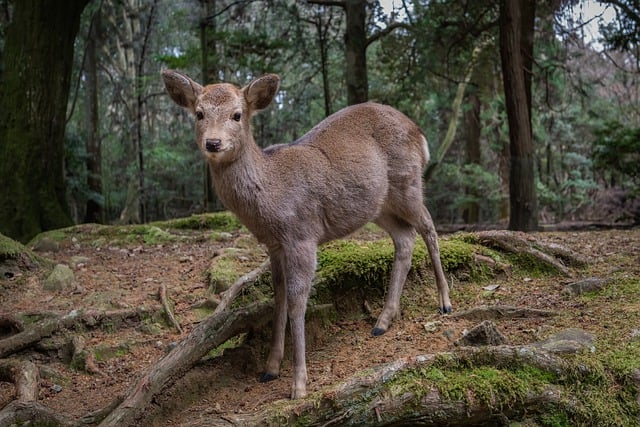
(403, 236)
(426, 228)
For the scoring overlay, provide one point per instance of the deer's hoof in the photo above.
(265, 377)
(445, 310)
(376, 332)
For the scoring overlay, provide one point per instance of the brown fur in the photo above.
(363, 163)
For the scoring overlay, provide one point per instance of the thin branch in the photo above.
(167, 308)
(379, 34)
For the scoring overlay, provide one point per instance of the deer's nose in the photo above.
(212, 145)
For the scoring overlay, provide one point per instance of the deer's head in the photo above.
(222, 111)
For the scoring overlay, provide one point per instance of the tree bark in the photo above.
(523, 201)
(36, 72)
(356, 52)
(93, 210)
(471, 213)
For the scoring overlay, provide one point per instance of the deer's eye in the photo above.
(237, 116)
(199, 115)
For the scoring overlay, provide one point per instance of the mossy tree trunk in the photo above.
(34, 89)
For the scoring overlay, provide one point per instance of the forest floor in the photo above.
(112, 275)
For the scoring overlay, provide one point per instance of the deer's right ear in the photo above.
(260, 92)
(181, 88)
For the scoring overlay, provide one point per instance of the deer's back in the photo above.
(337, 177)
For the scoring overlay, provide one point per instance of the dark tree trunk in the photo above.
(522, 192)
(356, 52)
(209, 75)
(93, 212)
(36, 71)
(471, 214)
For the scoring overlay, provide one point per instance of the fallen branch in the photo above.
(230, 294)
(207, 335)
(167, 308)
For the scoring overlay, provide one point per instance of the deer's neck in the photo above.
(241, 184)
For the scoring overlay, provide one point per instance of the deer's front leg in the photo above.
(272, 370)
(300, 266)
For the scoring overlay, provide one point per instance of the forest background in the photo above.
(87, 133)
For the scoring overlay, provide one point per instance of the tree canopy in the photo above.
(116, 150)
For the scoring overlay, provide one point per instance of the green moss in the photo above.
(9, 248)
(456, 253)
(220, 221)
(348, 263)
(103, 353)
(530, 265)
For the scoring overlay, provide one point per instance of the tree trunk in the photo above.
(93, 211)
(471, 213)
(356, 52)
(36, 71)
(522, 192)
(209, 75)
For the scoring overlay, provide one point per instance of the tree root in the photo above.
(207, 335)
(45, 328)
(381, 396)
(492, 312)
(164, 300)
(553, 255)
(24, 375)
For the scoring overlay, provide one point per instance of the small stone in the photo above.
(61, 278)
(79, 261)
(485, 333)
(432, 326)
(56, 388)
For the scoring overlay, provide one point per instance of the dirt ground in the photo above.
(129, 276)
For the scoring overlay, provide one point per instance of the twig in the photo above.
(230, 294)
(167, 309)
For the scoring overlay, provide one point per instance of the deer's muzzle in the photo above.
(212, 145)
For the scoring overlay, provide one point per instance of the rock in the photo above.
(570, 340)
(591, 284)
(79, 261)
(485, 333)
(46, 244)
(61, 278)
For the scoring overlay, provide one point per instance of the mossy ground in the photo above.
(120, 275)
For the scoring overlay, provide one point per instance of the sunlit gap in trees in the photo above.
(586, 17)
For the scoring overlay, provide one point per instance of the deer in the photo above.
(361, 164)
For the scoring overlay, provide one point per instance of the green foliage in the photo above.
(617, 149)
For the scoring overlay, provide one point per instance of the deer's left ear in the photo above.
(260, 92)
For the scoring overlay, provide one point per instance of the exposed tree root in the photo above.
(553, 255)
(24, 375)
(374, 397)
(46, 327)
(164, 300)
(207, 335)
(492, 312)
